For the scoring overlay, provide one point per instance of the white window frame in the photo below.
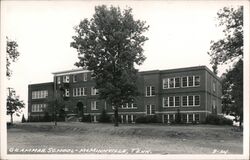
(58, 79)
(150, 109)
(94, 91)
(214, 86)
(199, 81)
(182, 82)
(77, 92)
(150, 91)
(67, 93)
(94, 105)
(85, 77)
(66, 79)
(168, 102)
(188, 101)
(42, 94)
(74, 78)
(38, 107)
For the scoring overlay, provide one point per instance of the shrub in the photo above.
(46, 117)
(23, 119)
(86, 118)
(104, 117)
(218, 120)
(147, 119)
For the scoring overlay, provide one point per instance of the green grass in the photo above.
(156, 138)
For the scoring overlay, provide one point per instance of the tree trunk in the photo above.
(116, 116)
(11, 118)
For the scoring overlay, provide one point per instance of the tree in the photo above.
(14, 105)
(12, 55)
(110, 44)
(234, 88)
(230, 49)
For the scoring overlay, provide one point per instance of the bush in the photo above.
(104, 117)
(217, 120)
(46, 117)
(23, 119)
(86, 118)
(147, 119)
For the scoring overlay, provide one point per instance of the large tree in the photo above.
(14, 104)
(110, 44)
(11, 56)
(226, 50)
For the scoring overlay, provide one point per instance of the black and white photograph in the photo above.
(124, 79)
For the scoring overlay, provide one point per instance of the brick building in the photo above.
(194, 91)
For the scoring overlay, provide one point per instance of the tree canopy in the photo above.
(12, 55)
(231, 46)
(110, 44)
(230, 49)
(14, 104)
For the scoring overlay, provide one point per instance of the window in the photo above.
(177, 101)
(190, 118)
(38, 107)
(65, 79)
(165, 83)
(94, 105)
(58, 80)
(94, 119)
(94, 91)
(150, 91)
(66, 92)
(190, 101)
(197, 117)
(74, 78)
(171, 118)
(171, 82)
(214, 86)
(79, 92)
(165, 101)
(184, 100)
(177, 82)
(184, 118)
(190, 81)
(150, 109)
(197, 80)
(171, 101)
(196, 100)
(85, 77)
(128, 106)
(39, 94)
(184, 81)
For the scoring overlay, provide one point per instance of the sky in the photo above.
(179, 35)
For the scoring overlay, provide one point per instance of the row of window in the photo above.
(174, 101)
(38, 107)
(82, 91)
(39, 94)
(76, 78)
(186, 118)
(175, 82)
(127, 118)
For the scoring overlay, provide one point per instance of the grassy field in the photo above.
(83, 138)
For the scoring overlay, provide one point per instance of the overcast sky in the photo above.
(179, 34)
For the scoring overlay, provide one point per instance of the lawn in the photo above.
(84, 138)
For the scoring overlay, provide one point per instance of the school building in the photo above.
(194, 91)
